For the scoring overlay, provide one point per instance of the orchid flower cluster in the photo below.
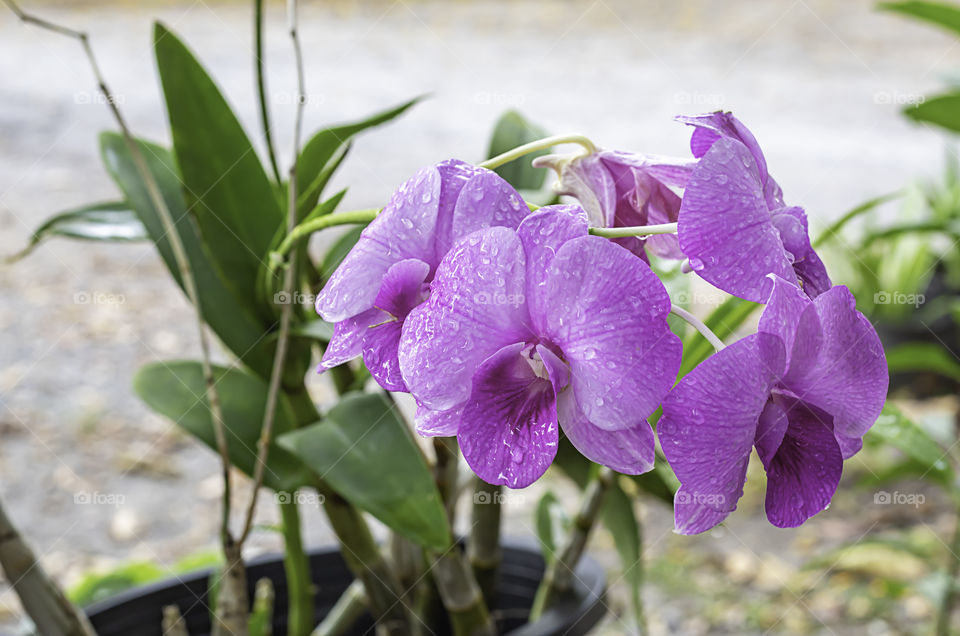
(510, 325)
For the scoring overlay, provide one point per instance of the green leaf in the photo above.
(895, 428)
(940, 14)
(324, 145)
(111, 221)
(510, 131)
(233, 320)
(226, 188)
(942, 110)
(923, 356)
(177, 390)
(364, 452)
(551, 523)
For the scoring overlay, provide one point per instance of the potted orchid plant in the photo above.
(525, 337)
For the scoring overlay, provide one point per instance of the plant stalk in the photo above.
(305, 229)
(445, 473)
(363, 557)
(484, 550)
(345, 613)
(634, 230)
(461, 595)
(42, 599)
(699, 325)
(559, 575)
(533, 146)
(297, 566)
(262, 86)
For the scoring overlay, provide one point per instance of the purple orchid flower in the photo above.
(803, 391)
(622, 189)
(528, 329)
(388, 271)
(733, 224)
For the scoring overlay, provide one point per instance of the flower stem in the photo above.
(540, 144)
(559, 574)
(321, 222)
(698, 324)
(635, 230)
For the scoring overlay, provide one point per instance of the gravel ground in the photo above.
(819, 82)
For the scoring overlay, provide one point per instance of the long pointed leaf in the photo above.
(322, 147)
(112, 221)
(941, 14)
(225, 186)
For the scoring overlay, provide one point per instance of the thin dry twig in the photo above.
(289, 278)
(186, 276)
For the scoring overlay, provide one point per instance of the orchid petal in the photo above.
(608, 316)
(725, 227)
(508, 432)
(404, 229)
(629, 451)
(475, 308)
(708, 428)
(849, 380)
(804, 473)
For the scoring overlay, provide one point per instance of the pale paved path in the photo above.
(812, 79)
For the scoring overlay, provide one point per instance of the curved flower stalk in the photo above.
(733, 224)
(388, 271)
(623, 189)
(803, 391)
(543, 325)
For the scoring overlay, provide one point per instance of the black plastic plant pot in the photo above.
(138, 612)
